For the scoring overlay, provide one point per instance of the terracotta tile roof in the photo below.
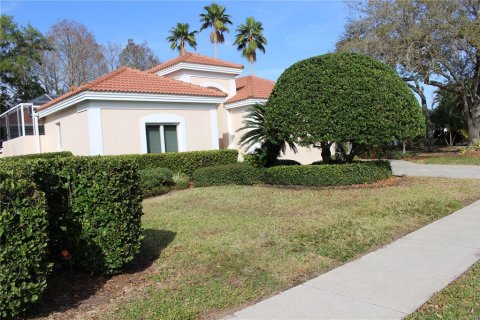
(195, 58)
(130, 80)
(252, 87)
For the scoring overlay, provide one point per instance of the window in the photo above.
(162, 138)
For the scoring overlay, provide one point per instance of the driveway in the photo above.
(401, 167)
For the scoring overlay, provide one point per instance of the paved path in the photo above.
(388, 283)
(401, 167)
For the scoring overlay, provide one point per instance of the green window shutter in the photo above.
(170, 135)
(154, 144)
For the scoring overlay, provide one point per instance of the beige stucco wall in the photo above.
(122, 125)
(19, 146)
(74, 132)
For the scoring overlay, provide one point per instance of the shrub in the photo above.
(238, 173)
(286, 162)
(94, 208)
(47, 155)
(23, 244)
(181, 181)
(328, 175)
(343, 97)
(155, 181)
(184, 162)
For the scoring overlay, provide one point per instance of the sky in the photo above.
(295, 30)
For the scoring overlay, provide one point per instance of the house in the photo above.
(192, 102)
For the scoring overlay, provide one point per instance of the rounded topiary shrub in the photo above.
(238, 173)
(23, 245)
(343, 97)
(329, 175)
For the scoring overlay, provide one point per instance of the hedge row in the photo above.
(184, 162)
(237, 173)
(23, 244)
(329, 175)
(93, 209)
(307, 175)
(33, 156)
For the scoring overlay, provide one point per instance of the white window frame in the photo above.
(162, 119)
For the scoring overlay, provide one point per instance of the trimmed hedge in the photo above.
(47, 155)
(237, 173)
(23, 244)
(155, 181)
(184, 162)
(94, 208)
(329, 175)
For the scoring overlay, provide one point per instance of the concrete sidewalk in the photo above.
(388, 283)
(401, 167)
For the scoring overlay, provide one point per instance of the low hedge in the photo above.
(23, 244)
(328, 175)
(156, 181)
(237, 173)
(47, 155)
(184, 162)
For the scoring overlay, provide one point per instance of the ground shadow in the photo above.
(70, 289)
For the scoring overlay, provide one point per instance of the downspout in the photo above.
(36, 131)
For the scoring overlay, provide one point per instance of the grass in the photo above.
(460, 300)
(457, 159)
(227, 247)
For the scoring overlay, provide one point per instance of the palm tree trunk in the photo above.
(215, 50)
(251, 68)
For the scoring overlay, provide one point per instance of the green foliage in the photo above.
(23, 244)
(180, 36)
(329, 175)
(238, 173)
(184, 162)
(47, 155)
(181, 181)
(94, 208)
(155, 181)
(249, 38)
(343, 97)
(20, 51)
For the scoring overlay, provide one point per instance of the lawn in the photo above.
(210, 251)
(466, 158)
(460, 300)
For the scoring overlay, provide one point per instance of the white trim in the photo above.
(59, 136)
(243, 103)
(198, 67)
(95, 135)
(128, 105)
(91, 95)
(214, 129)
(163, 118)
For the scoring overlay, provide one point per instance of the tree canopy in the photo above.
(180, 36)
(215, 17)
(20, 50)
(249, 38)
(343, 97)
(138, 56)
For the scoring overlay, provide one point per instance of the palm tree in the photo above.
(250, 38)
(216, 18)
(259, 133)
(180, 36)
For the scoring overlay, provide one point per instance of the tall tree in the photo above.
(428, 42)
(447, 116)
(180, 35)
(249, 38)
(20, 49)
(111, 55)
(77, 57)
(215, 18)
(138, 56)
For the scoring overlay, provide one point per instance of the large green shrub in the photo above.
(238, 173)
(155, 181)
(23, 244)
(185, 162)
(343, 97)
(94, 208)
(329, 175)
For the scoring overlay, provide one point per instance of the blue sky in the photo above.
(295, 29)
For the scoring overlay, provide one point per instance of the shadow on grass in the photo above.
(76, 289)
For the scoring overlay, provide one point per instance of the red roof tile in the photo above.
(195, 58)
(251, 87)
(135, 81)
